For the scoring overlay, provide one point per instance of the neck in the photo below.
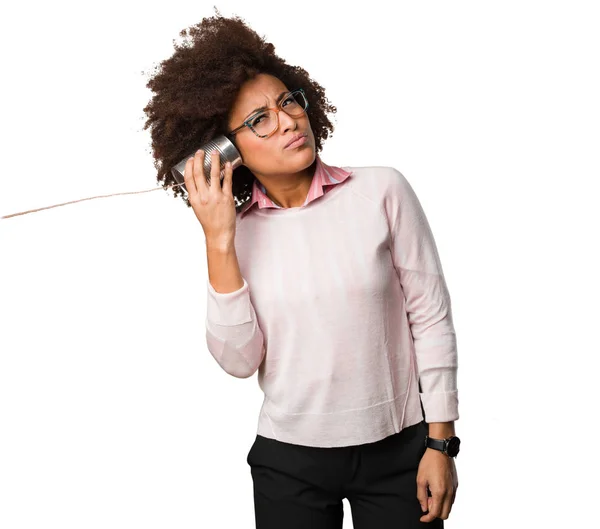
(292, 195)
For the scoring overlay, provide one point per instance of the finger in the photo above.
(422, 495)
(436, 503)
(429, 517)
(215, 171)
(188, 176)
(446, 508)
(228, 179)
(199, 177)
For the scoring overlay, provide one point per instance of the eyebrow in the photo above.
(279, 98)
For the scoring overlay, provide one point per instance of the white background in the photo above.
(113, 412)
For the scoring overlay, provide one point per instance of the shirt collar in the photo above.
(325, 175)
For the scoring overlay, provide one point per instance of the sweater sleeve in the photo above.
(233, 336)
(428, 304)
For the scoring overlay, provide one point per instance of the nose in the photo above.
(286, 122)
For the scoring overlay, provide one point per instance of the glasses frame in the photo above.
(277, 110)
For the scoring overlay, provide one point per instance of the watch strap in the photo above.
(436, 444)
(449, 446)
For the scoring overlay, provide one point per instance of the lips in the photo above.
(296, 137)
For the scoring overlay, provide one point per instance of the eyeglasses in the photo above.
(266, 122)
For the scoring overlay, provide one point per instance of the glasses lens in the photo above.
(294, 105)
(264, 123)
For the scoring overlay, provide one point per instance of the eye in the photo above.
(257, 119)
(289, 99)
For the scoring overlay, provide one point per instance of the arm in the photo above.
(441, 430)
(428, 305)
(233, 336)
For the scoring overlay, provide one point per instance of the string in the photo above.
(82, 199)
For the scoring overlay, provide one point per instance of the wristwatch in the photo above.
(450, 446)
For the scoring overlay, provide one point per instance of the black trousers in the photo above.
(302, 487)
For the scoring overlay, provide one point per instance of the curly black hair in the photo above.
(195, 89)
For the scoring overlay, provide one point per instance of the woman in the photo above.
(324, 280)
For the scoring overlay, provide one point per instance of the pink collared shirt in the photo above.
(324, 177)
(344, 313)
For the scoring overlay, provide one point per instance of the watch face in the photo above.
(453, 446)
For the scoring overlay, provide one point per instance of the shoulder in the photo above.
(377, 182)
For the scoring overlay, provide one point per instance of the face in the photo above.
(268, 158)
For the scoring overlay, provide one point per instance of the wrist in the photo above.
(442, 438)
(441, 430)
(225, 244)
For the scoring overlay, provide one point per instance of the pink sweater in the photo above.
(344, 312)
